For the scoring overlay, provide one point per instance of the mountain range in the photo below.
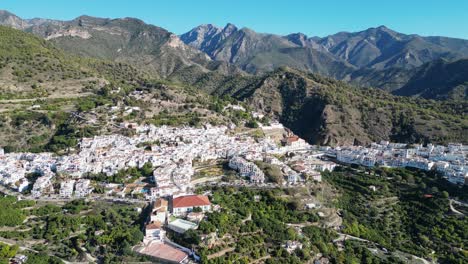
(127, 40)
(376, 57)
(316, 86)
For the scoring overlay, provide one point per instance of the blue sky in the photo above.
(312, 17)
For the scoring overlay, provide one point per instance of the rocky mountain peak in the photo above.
(298, 39)
(11, 20)
(230, 28)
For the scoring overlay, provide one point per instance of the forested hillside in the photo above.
(325, 111)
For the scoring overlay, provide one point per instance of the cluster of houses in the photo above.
(75, 188)
(247, 169)
(176, 214)
(309, 166)
(449, 160)
(171, 150)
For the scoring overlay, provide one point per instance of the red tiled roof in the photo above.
(154, 225)
(292, 139)
(165, 252)
(190, 201)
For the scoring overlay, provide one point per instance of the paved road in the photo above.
(459, 203)
(453, 208)
(8, 191)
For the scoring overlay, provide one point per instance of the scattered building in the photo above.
(186, 204)
(290, 246)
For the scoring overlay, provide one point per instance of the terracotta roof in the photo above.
(291, 139)
(160, 210)
(190, 201)
(160, 203)
(154, 225)
(165, 252)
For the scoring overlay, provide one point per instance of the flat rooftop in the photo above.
(183, 224)
(164, 252)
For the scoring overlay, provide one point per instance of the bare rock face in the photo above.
(127, 40)
(375, 57)
(9, 19)
(73, 32)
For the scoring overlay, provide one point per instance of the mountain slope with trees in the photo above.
(376, 57)
(320, 109)
(439, 80)
(127, 40)
(325, 111)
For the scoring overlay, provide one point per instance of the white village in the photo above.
(172, 153)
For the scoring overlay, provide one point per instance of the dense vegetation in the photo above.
(439, 79)
(409, 211)
(129, 175)
(81, 230)
(253, 224)
(34, 60)
(7, 252)
(42, 258)
(11, 213)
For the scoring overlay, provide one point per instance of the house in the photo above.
(22, 185)
(185, 204)
(83, 188)
(290, 246)
(159, 211)
(66, 188)
(154, 232)
(42, 184)
(316, 176)
(247, 169)
(291, 140)
(19, 259)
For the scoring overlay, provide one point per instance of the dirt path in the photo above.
(13, 242)
(221, 253)
(53, 96)
(260, 259)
